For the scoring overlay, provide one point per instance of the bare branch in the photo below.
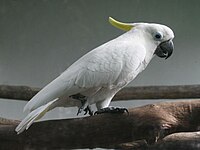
(4, 121)
(150, 123)
(183, 141)
(129, 93)
(17, 92)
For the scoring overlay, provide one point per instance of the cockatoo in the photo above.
(98, 75)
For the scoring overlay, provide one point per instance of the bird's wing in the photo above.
(104, 65)
(100, 67)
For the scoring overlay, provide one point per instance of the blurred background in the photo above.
(40, 39)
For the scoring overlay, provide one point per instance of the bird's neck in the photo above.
(139, 38)
(146, 42)
(150, 49)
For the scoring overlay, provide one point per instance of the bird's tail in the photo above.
(33, 116)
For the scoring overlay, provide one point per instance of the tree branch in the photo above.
(128, 93)
(150, 123)
(183, 141)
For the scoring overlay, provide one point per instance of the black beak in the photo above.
(165, 49)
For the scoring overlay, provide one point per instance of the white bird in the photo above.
(98, 75)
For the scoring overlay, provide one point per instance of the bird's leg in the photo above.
(112, 110)
(79, 97)
(81, 108)
(83, 100)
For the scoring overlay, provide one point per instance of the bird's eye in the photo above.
(158, 36)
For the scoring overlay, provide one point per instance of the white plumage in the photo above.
(102, 72)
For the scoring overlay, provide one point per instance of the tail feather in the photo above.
(33, 116)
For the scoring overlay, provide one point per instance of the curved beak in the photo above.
(165, 49)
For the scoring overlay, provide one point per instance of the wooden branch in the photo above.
(128, 93)
(183, 141)
(159, 92)
(17, 92)
(149, 123)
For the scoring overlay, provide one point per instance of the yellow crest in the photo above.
(120, 25)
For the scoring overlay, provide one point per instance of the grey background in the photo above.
(40, 39)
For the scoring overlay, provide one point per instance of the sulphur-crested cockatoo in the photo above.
(98, 75)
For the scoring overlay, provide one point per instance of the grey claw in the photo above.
(88, 110)
(111, 110)
(79, 111)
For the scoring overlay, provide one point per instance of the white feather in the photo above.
(33, 116)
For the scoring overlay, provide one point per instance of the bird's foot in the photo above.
(88, 110)
(111, 110)
(83, 100)
(82, 107)
(80, 110)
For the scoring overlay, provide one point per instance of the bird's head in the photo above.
(159, 35)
